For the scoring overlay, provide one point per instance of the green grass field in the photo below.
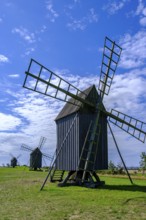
(21, 199)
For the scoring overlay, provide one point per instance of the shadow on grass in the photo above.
(132, 188)
(141, 200)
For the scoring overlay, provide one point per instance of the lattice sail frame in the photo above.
(129, 124)
(42, 142)
(110, 59)
(42, 80)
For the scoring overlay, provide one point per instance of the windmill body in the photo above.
(82, 123)
(36, 159)
(14, 162)
(70, 155)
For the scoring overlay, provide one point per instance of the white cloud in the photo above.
(92, 16)
(43, 29)
(141, 12)
(82, 23)
(142, 21)
(77, 25)
(25, 34)
(8, 122)
(3, 59)
(52, 14)
(134, 50)
(140, 7)
(13, 75)
(112, 7)
(29, 50)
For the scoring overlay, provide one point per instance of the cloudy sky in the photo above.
(67, 36)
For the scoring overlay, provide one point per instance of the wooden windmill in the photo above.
(82, 123)
(14, 160)
(36, 154)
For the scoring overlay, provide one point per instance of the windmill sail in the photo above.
(42, 80)
(110, 59)
(25, 147)
(42, 142)
(129, 124)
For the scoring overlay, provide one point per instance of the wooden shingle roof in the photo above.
(69, 109)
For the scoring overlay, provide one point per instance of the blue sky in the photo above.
(67, 36)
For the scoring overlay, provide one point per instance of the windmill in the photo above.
(36, 154)
(82, 124)
(14, 160)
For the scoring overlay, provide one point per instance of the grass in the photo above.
(21, 199)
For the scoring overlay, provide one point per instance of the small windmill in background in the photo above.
(14, 160)
(36, 154)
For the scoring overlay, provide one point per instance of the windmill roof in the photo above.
(36, 151)
(69, 109)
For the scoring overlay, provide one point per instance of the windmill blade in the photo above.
(42, 142)
(47, 156)
(129, 124)
(25, 147)
(18, 156)
(44, 162)
(11, 155)
(110, 59)
(42, 80)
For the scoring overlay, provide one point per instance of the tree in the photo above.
(120, 168)
(143, 162)
(111, 167)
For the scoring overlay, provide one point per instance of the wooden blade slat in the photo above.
(25, 147)
(110, 59)
(129, 124)
(42, 80)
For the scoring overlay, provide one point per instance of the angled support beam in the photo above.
(120, 153)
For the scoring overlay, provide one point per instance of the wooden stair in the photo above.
(57, 175)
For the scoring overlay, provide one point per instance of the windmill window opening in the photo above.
(117, 51)
(30, 82)
(104, 69)
(51, 91)
(133, 122)
(144, 126)
(61, 95)
(55, 80)
(113, 66)
(72, 90)
(127, 119)
(40, 87)
(125, 127)
(45, 76)
(64, 85)
(131, 130)
(115, 58)
(34, 69)
(136, 134)
(111, 73)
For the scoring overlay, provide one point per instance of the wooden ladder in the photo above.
(89, 151)
(57, 175)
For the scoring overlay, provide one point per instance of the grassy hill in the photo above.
(21, 199)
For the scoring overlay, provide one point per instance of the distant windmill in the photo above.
(36, 154)
(14, 160)
(82, 146)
